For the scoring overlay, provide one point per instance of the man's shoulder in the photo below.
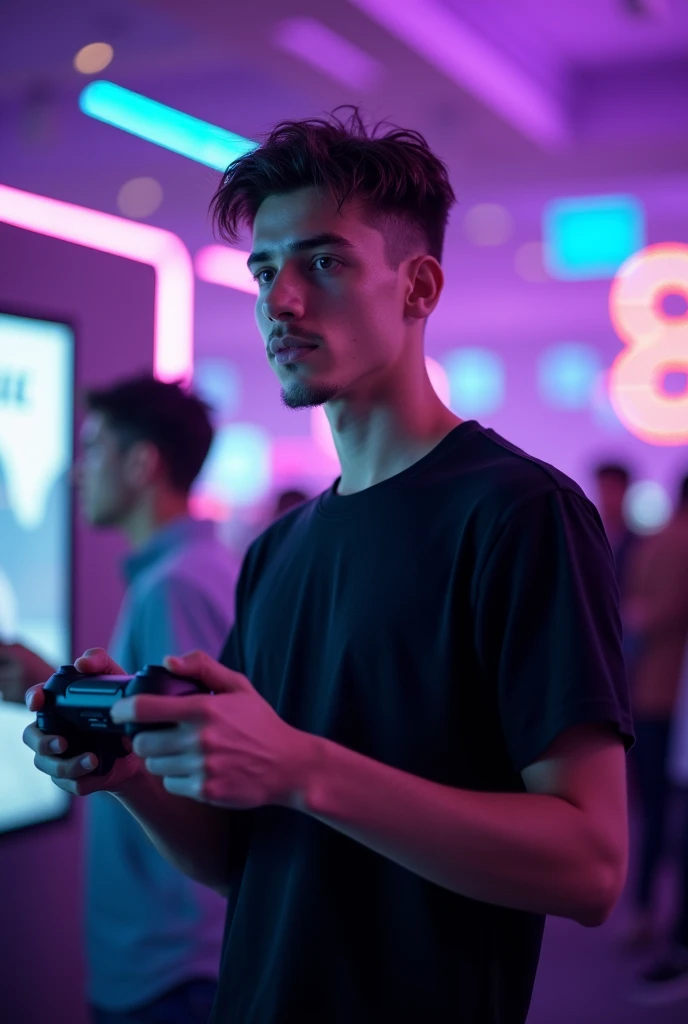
(296, 519)
(505, 478)
(199, 566)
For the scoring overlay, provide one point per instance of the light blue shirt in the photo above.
(677, 761)
(148, 927)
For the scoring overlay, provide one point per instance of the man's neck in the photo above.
(144, 521)
(375, 440)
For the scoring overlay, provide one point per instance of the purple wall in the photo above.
(110, 303)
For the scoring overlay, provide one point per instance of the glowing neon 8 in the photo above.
(656, 344)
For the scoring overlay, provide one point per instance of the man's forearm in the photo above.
(527, 851)
(192, 836)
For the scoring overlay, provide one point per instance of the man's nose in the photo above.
(285, 299)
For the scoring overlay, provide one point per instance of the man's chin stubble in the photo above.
(302, 396)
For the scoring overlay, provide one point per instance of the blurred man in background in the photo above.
(656, 615)
(612, 480)
(19, 669)
(153, 935)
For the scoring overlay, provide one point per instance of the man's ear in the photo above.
(141, 464)
(425, 283)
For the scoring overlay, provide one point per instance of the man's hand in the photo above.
(21, 668)
(74, 774)
(230, 747)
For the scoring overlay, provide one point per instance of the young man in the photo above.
(415, 746)
(153, 935)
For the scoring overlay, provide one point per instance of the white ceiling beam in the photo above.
(477, 65)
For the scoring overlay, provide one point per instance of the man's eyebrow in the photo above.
(314, 242)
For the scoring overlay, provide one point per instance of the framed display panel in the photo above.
(36, 453)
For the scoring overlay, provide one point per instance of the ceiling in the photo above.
(612, 75)
(608, 79)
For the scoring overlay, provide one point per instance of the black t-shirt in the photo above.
(450, 621)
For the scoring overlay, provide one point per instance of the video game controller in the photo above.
(77, 706)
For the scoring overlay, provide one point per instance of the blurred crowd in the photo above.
(652, 573)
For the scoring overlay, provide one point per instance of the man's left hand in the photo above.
(21, 668)
(229, 748)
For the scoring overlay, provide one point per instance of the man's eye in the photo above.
(329, 260)
(259, 277)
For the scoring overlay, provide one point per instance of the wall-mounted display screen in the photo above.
(36, 448)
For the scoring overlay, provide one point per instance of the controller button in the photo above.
(93, 691)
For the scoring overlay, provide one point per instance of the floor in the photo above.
(586, 978)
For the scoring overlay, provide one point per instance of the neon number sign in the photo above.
(656, 344)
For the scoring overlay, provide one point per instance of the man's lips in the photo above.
(281, 344)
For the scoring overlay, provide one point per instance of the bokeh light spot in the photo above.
(139, 197)
(218, 383)
(488, 224)
(567, 374)
(476, 381)
(647, 506)
(529, 263)
(93, 58)
(591, 236)
(238, 469)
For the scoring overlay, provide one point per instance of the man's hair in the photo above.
(403, 186)
(615, 470)
(169, 417)
(288, 499)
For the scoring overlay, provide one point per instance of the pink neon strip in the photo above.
(218, 264)
(164, 251)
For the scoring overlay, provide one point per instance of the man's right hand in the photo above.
(74, 774)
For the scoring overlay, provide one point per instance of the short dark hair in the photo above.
(176, 421)
(403, 186)
(615, 470)
(288, 499)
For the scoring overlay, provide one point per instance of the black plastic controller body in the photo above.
(77, 707)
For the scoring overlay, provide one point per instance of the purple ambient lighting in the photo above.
(439, 36)
(327, 51)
